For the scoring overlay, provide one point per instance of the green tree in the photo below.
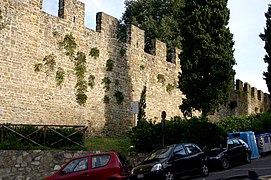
(207, 57)
(160, 19)
(266, 37)
(142, 105)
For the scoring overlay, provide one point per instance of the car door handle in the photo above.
(85, 174)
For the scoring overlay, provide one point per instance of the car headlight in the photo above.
(156, 167)
(219, 156)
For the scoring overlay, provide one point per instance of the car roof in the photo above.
(180, 144)
(93, 154)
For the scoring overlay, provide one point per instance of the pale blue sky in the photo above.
(247, 21)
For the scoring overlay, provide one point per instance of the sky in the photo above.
(247, 21)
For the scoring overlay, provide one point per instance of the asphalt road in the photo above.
(261, 166)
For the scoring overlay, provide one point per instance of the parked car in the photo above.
(235, 151)
(103, 166)
(171, 161)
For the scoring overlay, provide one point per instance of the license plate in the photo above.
(139, 176)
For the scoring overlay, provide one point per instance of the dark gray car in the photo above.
(175, 160)
(235, 151)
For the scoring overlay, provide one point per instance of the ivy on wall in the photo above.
(37, 67)
(80, 68)
(55, 33)
(161, 78)
(117, 82)
(60, 73)
(91, 82)
(119, 97)
(49, 63)
(122, 52)
(106, 82)
(170, 87)
(141, 67)
(106, 99)
(81, 84)
(69, 45)
(109, 65)
(94, 52)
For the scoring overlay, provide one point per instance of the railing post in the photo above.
(1, 134)
(44, 135)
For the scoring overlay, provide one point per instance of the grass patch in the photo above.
(118, 144)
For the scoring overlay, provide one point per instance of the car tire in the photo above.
(247, 158)
(204, 170)
(169, 176)
(225, 164)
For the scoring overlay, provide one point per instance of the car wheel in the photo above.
(204, 170)
(225, 163)
(247, 158)
(169, 176)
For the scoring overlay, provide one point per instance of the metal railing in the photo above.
(43, 130)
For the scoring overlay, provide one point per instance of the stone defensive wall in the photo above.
(243, 100)
(43, 69)
(38, 164)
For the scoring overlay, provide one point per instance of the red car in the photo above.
(103, 166)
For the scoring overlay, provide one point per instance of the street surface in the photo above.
(261, 166)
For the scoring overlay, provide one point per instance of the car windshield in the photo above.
(160, 153)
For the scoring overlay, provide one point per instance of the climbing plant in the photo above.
(91, 82)
(122, 52)
(161, 78)
(55, 33)
(106, 99)
(117, 82)
(109, 65)
(81, 84)
(69, 44)
(60, 73)
(37, 67)
(94, 52)
(119, 97)
(49, 63)
(106, 81)
(169, 87)
(142, 67)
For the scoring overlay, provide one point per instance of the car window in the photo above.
(76, 165)
(179, 150)
(192, 149)
(243, 142)
(236, 142)
(230, 144)
(100, 160)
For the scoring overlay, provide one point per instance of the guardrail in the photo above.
(42, 130)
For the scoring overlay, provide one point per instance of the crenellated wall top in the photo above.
(251, 91)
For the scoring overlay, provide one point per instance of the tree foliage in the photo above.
(160, 19)
(142, 104)
(266, 37)
(207, 57)
(148, 136)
